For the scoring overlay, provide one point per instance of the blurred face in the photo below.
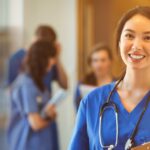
(51, 62)
(100, 63)
(135, 42)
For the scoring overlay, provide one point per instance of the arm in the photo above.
(36, 122)
(80, 140)
(61, 75)
(31, 109)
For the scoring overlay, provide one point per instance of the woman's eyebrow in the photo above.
(130, 30)
(147, 32)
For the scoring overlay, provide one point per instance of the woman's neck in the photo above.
(136, 79)
(104, 80)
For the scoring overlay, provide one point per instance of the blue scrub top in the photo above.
(77, 96)
(14, 67)
(86, 132)
(24, 100)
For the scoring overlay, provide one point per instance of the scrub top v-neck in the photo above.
(86, 130)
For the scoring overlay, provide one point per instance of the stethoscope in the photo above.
(111, 105)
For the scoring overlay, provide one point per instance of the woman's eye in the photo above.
(129, 36)
(147, 38)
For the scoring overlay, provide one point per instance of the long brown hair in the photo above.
(37, 60)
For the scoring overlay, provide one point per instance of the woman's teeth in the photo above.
(136, 56)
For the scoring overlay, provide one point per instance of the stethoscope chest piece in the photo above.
(111, 147)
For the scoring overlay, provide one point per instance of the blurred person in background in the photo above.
(29, 95)
(100, 63)
(56, 73)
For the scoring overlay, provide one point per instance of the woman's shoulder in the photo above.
(22, 83)
(102, 89)
(23, 79)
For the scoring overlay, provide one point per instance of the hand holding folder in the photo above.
(55, 100)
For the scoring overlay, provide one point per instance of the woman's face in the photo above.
(100, 63)
(135, 42)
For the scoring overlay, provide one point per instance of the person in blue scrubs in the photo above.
(28, 130)
(56, 73)
(131, 95)
(15, 62)
(100, 64)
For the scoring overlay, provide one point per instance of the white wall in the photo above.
(15, 23)
(4, 13)
(16, 13)
(61, 14)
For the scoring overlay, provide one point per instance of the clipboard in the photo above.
(55, 100)
(145, 146)
(58, 97)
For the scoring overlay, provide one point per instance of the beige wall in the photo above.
(61, 14)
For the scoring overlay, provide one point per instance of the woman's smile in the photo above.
(136, 57)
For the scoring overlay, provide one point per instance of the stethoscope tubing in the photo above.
(114, 108)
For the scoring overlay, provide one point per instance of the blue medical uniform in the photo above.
(86, 132)
(24, 100)
(14, 66)
(77, 96)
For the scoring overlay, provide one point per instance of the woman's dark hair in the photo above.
(37, 60)
(90, 78)
(46, 32)
(141, 10)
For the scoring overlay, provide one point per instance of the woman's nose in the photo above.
(137, 44)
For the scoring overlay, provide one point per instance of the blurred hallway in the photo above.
(79, 25)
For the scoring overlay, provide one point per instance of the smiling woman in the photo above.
(136, 41)
(129, 97)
